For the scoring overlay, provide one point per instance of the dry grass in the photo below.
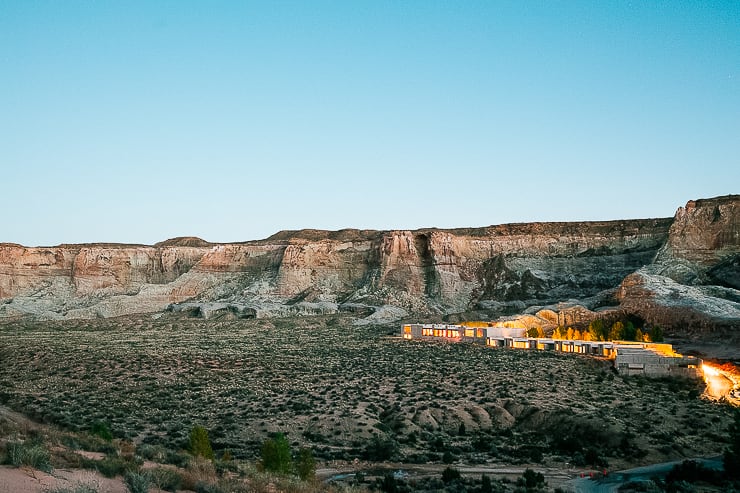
(333, 387)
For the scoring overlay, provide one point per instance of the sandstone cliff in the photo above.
(693, 283)
(488, 271)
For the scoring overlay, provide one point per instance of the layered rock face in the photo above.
(693, 283)
(703, 244)
(491, 271)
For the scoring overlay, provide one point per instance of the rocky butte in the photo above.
(681, 272)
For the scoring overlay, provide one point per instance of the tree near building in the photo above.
(535, 332)
(629, 331)
(199, 443)
(596, 330)
(617, 331)
(559, 332)
(306, 465)
(276, 455)
(656, 334)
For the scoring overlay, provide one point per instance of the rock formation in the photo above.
(694, 281)
(488, 272)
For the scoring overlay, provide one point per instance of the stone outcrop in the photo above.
(660, 300)
(692, 286)
(492, 271)
(703, 246)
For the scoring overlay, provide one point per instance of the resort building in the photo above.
(655, 360)
(630, 358)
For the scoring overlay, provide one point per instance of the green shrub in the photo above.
(692, 471)
(450, 474)
(447, 457)
(200, 444)
(389, 484)
(166, 479)
(137, 482)
(531, 479)
(28, 454)
(731, 459)
(111, 467)
(276, 455)
(203, 487)
(380, 449)
(101, 429)
(306, 465)
(155, 453)
(486, 486)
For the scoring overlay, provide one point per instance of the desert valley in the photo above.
(279, 364)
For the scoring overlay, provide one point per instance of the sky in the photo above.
(135, 122)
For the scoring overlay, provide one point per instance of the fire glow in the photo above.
(722, 382)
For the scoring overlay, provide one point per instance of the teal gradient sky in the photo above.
(139, 121)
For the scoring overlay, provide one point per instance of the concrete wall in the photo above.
(633, 361)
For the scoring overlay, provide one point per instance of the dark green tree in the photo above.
(617, 331)
(629, 331)
(531, 479)
(380, 448)
(656, 334)
(101, 429)
(389, 484)
(200, 445)
(731, 459)
(486, 486)
(596, 330)
(306, 465)
(450, 474)
(447, 457)
(276, 455)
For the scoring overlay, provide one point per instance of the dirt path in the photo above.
(554, 476)
(26, 480)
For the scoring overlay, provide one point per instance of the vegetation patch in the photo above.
(341, 391)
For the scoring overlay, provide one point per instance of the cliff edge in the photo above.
(487, 272)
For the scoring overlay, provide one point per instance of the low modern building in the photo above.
(655, 360)
(456, 333)
(630, 358)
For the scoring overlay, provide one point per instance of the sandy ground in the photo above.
(26, 480)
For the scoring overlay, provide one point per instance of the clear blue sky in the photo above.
(140, 121)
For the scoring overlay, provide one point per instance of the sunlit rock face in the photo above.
(693, 283)
(492, 271)
(538, 263)
(703, 246)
